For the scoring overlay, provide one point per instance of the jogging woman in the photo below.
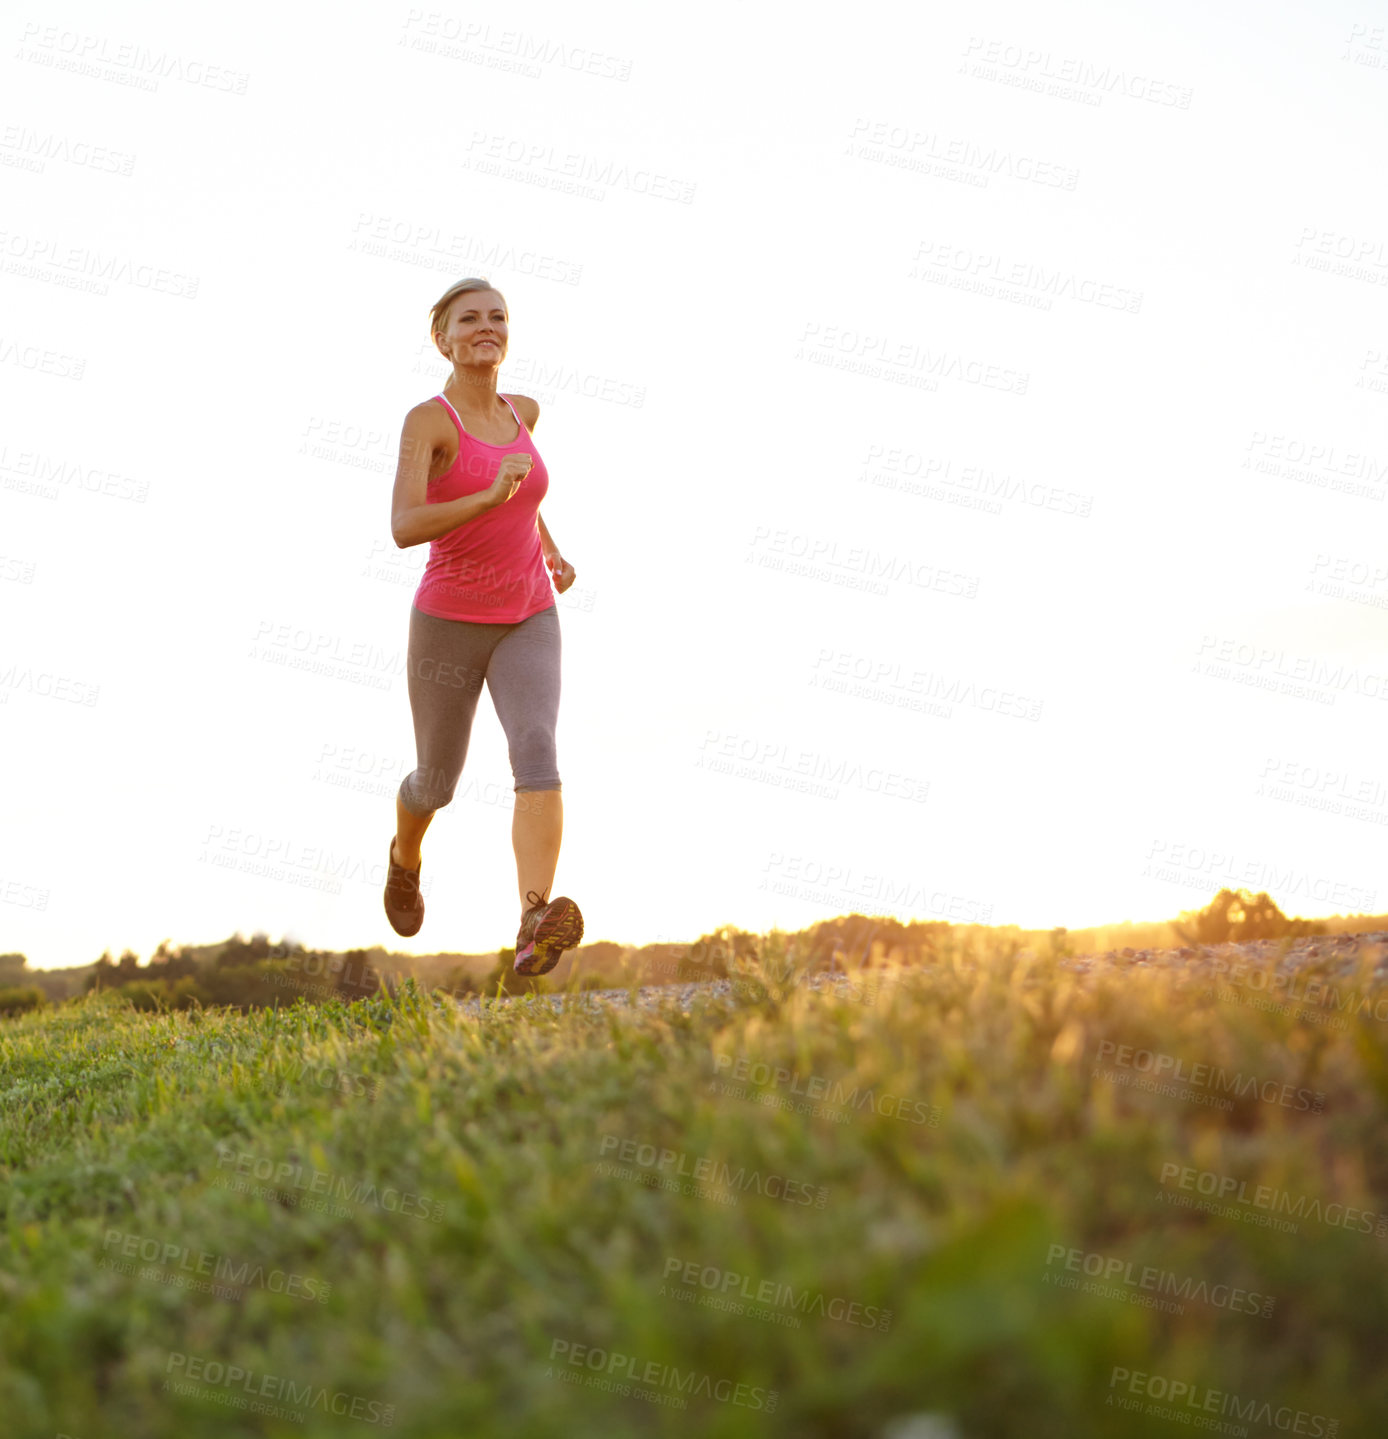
(470, 481)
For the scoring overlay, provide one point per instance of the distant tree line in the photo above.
(240, 973)
(254, 973)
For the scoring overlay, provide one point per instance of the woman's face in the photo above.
(475, 330)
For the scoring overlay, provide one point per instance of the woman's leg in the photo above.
(523, 678)
(537, 830)
(447, 663)
(409, 833)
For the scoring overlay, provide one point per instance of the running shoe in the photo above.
(547, 930)
(404, 903)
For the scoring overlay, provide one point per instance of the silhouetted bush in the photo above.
(147, 994)
(246, 987)
(511, 983)
(18, 1001)
(1236, 916)
(710, 956)
(14, 970)
(358, 978)
(461, 983)
(601, 953)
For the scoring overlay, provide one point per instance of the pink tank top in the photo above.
(490, 569)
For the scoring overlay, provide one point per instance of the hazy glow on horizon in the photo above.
(1097, 525)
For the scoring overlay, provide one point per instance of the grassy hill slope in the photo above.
(788, 1215)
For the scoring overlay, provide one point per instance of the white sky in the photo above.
(219, 463)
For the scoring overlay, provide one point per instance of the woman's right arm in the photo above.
(413, 520)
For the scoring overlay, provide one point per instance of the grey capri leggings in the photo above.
(448, 660)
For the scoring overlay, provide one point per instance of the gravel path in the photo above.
(1342, 951)
(651, 996)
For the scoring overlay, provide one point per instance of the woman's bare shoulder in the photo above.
(429, 409)
(526, 408)
(429, 420)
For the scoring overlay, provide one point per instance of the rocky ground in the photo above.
(1336, 956)
(1342, 952)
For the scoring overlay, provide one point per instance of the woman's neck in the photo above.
(477, 393)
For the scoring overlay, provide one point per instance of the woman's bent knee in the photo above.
(536, 767)
(534, 758)
(426, 798)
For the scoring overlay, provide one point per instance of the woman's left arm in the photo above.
(560, 569)
(547, 544)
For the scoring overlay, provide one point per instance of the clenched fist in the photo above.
(509, 474)
(561, 571)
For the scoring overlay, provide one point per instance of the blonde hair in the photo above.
(439, 314)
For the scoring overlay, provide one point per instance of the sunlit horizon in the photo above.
(396, 945)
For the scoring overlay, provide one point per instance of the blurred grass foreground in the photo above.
(987, 1197)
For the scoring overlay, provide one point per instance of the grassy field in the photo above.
(788, 1214)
